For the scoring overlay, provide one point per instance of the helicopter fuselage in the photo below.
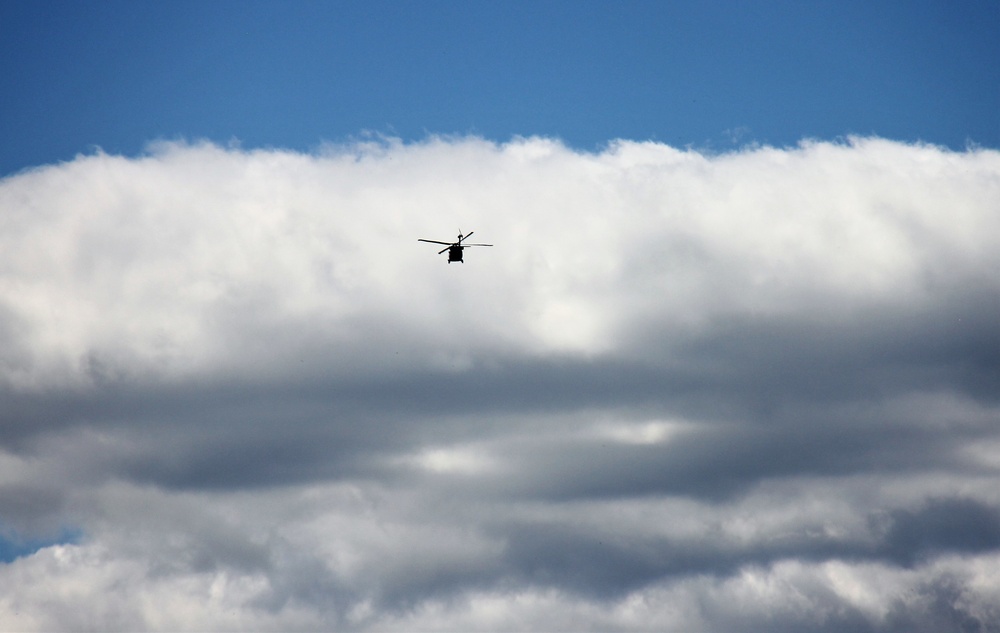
(455, 254)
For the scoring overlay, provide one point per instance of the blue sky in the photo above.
(295, 74)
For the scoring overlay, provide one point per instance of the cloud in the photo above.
(681, 392)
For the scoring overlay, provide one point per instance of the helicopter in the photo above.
(454, 248)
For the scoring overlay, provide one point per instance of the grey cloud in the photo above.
(942, 525)
(681, 388)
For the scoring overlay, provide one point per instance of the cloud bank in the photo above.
(757, 390)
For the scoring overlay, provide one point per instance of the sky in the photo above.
(732, 363)
(713, 75)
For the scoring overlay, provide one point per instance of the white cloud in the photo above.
(681, 392)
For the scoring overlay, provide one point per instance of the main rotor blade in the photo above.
(446, 248)
(465, 237)
(435, 241)
(477, 245)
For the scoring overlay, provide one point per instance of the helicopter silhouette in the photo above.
(454, 248)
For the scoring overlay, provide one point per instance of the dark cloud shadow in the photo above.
(941, 526)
